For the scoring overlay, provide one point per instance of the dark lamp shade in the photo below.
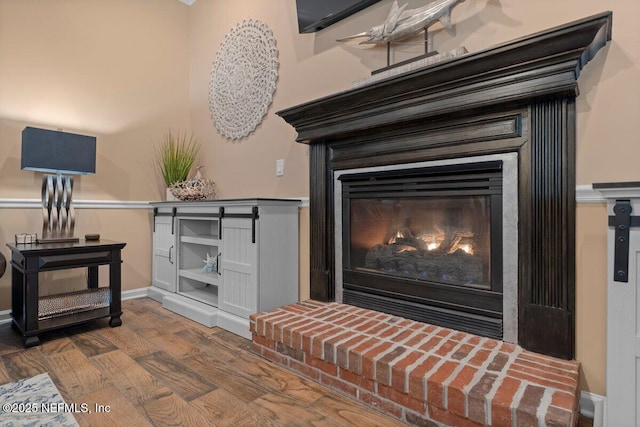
(55, 151)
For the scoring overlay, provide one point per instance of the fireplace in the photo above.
(425, 241)
(515, 100)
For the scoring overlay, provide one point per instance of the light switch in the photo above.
(280, 167)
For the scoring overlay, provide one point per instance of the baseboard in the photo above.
(5, 315)
(592, 406)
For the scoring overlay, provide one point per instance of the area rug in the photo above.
(34, 402)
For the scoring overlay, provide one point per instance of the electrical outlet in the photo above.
(280, 167)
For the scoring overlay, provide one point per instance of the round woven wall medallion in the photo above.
(243, 79)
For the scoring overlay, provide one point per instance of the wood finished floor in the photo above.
(161, 369)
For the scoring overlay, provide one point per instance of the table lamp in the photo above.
(59, 153)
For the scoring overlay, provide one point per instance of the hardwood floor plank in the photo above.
(343, 412)
(133, 381)
(57, 346)
(286, 410)
(76, 373)
(109, 408)
(25, 363)
(232, 380)
(10, 340)
(173, 411)
(210, 344)
(180, 378)
(129, 342)
(278, 379)
(92, 343)
(170, 342)
(221, 407)
(4, 375)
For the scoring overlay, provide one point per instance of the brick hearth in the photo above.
(418, 372)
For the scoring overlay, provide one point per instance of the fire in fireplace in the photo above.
(441, 239)
(426, 243)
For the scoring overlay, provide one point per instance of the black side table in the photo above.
(29, 260)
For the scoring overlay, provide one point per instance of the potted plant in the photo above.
(176, 155)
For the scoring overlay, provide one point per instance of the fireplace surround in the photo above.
(517, 98)
(432, 241)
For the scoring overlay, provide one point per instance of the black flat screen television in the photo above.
(314, 15)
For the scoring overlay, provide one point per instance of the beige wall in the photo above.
(117, 70)
(124, 70)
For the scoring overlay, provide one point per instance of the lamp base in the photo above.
(59, 240)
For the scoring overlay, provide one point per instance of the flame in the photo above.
(432, 246)
(466, 248)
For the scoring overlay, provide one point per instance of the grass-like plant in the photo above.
(176, 155)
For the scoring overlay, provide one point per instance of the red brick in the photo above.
(357, 380)
(547, 375)
(399, 370)
(447, 418)
(328, 368)
(287, 331)
(567, 365)
(384, 405)
(446, 348)
(305, 369)
(563, 400)
(417, 380)
(390, 331)
(308, 336)
(402, 336)
(506, 347)
(479, 358)
(339, 385)
(431, 344)
(556, 417)
(490, 344)
(274, 357)
(501, 403)
(545, 368)
(368, 358)
(462, 352)
(259, 339)
(288, 351)
(297, 333)
(526, 412)
(540, 381)
(330, 346)
(498, 363)
(355, 354)
(435, 389)
(402, 399)
(317, 342)
(280, 324)
(455, 390)
(344, 348)
(476, 398)
(459, 336)
(417, 339)
(383, 369)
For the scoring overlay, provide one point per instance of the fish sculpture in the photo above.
(402, 23)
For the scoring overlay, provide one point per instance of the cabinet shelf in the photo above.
(203, 295)
(199, 275)
(207, 240)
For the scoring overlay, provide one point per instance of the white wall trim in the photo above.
(5, 315)
(101, 204)
(586, 194)
(78, 204)
(592, 406)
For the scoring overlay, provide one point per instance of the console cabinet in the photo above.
(252, 248)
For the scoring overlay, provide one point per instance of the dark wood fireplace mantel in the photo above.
(515, 97)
